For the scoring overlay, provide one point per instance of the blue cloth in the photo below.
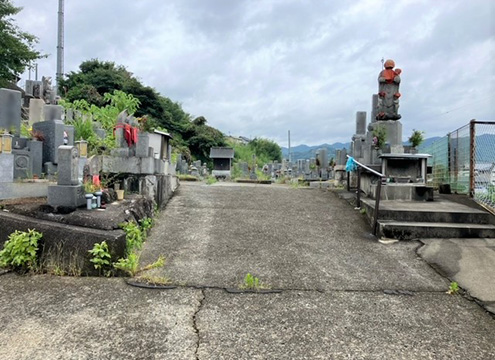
(350, 165)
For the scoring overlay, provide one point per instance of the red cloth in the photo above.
(130, 133)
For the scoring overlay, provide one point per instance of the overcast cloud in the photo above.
(260, 68)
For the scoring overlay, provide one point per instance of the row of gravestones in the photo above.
(31, 157)
(195, 168)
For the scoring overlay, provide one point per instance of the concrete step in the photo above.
(409, 230)
(443, 216)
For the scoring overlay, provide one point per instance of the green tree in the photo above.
(95, 78)
(266, 148)
(16, 46)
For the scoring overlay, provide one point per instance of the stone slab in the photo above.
(53, 112)
(6, 168)
(36, 111)
(15, 190)
(68, 165)
(65, 195)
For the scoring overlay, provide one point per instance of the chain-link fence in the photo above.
(484, 163)
(465, 159)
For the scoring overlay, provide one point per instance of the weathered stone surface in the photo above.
(53, 112)
(53, 132)
(142, 146)
(6, 167)
(360, 122)
(68, 165)
(10, 110)
(66, 195)
(36, 155)
(36, 111)
(64, 240)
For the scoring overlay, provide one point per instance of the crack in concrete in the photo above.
(280, 290)
(195, 324)
(464, 293)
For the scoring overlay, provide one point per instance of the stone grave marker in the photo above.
(10, 110)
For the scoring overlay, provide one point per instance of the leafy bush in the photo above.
(416, 138)
(101, 257)
(210, 180)
(20, 249)
(252, 283)
(130, 264)
(134, 236)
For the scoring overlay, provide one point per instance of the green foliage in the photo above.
(95, 78)
(20, 249)
(101, 257)
(160, 262)
(134, 236)
(252, 283)
(416, 138)
(16, 46)
(264, 150)
(362, 211)
(210, 180)
(86, 116)
(453, 288)
(379, 136)
(130, 264)
(146, 225)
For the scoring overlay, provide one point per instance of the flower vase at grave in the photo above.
(94, 202)
(98, 195)
(89, 201)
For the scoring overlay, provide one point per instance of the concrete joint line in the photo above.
(195, 324)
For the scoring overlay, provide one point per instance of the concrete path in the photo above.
(470, 262)
(344, 295)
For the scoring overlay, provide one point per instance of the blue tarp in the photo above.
(350, 165)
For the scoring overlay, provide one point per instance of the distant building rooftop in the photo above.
(221, 153)
(163, 133)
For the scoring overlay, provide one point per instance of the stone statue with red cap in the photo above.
(388, 92)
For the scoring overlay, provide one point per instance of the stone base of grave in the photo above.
(66, 195)
(407, 192)
(20, 190)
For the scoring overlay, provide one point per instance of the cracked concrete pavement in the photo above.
(335, 301)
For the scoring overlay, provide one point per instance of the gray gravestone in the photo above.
(142, 146)
(361, 122)
(53, 132)
(53, 112)
(10, 110)
(36, 111)
(36, 155)
(68, 166)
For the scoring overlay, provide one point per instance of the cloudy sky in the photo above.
(260, 68)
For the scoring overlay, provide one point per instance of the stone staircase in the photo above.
(442, 218)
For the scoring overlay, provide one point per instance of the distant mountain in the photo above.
(308, 152)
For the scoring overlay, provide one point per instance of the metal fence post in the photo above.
(358, 190)
(472, 155)
(377, 205)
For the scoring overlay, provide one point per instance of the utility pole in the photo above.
(60, 44)
(290, 156)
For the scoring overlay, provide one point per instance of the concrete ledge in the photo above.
(23, 190)
(410, 192)
(66, 245)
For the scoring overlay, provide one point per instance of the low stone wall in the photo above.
(65, 245)
(14, 190)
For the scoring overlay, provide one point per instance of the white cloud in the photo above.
(259, 68)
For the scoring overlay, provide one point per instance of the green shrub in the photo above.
(130, 264)
(134, 236)
(211, 180)
(20, 249)
(101, 257)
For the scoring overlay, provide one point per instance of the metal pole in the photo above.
(377, 206)
(36, 72)
(60, 44)
(472, 155)
(348, 181)
(290, 157)
(358, 190)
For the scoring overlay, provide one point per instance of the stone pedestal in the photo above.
(394, 133)
(71, 196)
